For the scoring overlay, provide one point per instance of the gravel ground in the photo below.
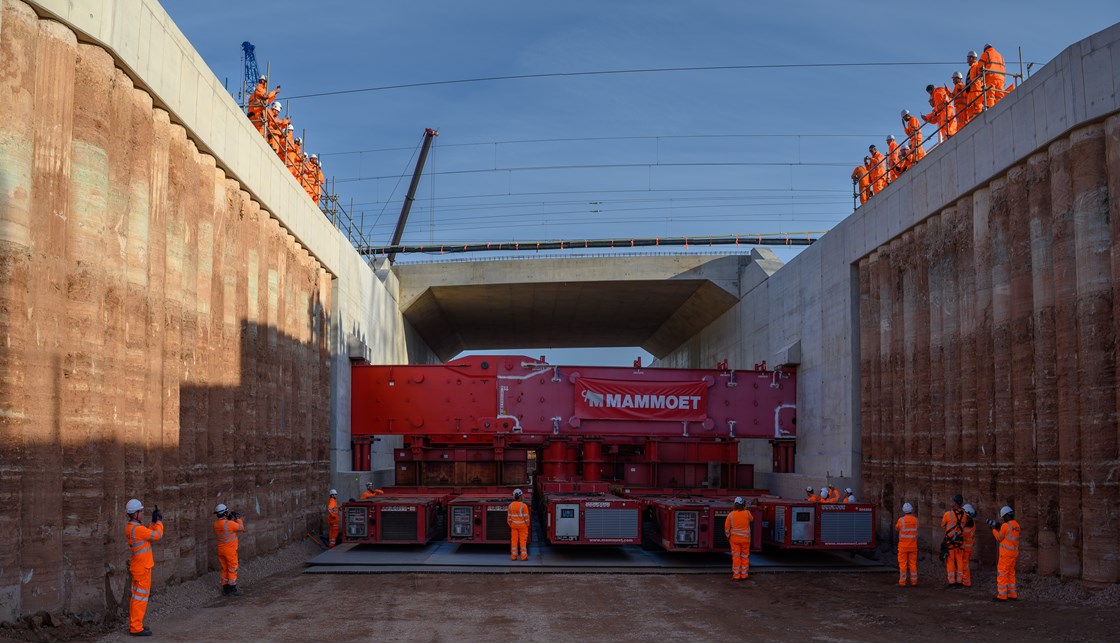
(283, 604)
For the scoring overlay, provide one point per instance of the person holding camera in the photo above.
(140, 539)
(1007, 535)
(952, 547)
(226, 526)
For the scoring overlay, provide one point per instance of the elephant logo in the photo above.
(593, 399)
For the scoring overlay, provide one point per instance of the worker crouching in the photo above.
(737, 528)
(226, 526)
(517, 517)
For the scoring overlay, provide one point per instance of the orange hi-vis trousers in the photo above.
(1005, 576)
(141, 590)
(907, 560)
(966, 571)
(518, 537)
(955, 565)
(740, 557)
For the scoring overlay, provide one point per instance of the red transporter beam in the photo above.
(517, 396)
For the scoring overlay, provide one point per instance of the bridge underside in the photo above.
(655, 303)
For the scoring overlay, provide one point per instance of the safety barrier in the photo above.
(987, 95)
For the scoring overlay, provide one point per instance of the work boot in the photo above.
(233, 591)
(225, 590)
(143, 632)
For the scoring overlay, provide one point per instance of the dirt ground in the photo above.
(291, 606)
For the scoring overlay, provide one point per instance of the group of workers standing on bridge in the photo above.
(264, 112)
(959, 523)
(951, 108)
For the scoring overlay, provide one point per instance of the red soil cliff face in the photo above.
(161, 336)
(1003, 376)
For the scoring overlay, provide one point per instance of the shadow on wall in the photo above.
(258, 444)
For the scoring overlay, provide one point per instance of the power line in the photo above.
(614, 72)
(600, 166)
(584, 139)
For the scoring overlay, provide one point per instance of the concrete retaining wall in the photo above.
(932, 264)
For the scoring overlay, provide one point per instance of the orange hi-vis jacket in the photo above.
(960, 102)
(737, 525)
(814, 498)
(226, 530)
(975, 83)
(140, 539)
(878, 171)
(994, 72)
(861, 178)
(953, 523)
(370, 494)
(1008, 539)
(914, 132)
(907, 527)
(517, 515)
(944, 113)
(892, 159)
(969, 534)
(332, 510)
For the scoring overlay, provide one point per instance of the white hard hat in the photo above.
(969, 510)
(299, 141)
(1006, 510)
(517, 493)
(261, 79)
(334, 492)
(290, 128)
(220, 509)
(847, 489)
(739, 500)
(958, 74)
(971, 54)
(987, 46)
(905, 113)
(277, 106)
(369, 484)
(824, 490)
(314, 157)
(134, 505)
(907, 508)
(890, 137)
(810, 489)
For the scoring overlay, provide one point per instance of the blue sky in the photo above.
(802, 130)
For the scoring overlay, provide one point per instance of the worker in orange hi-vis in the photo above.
(259, 101)
(737, 528)
(332, 518)
(226, 525)
(810, 493)
(293, 152)
(913, 136)
(892, 157)
(517, 517)
(903, 163)
(969, 532)
(313, 176)
(974, 82)
(942, 114)
(878, 172)
(140, 564)
(276, 126)
(833, 492)
(861, 184)
(953, 546)
(907, 528)
(849, 496)
(370, 492)
(823, 495)
(994, 75)
(1007, 535)
(959, 94)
